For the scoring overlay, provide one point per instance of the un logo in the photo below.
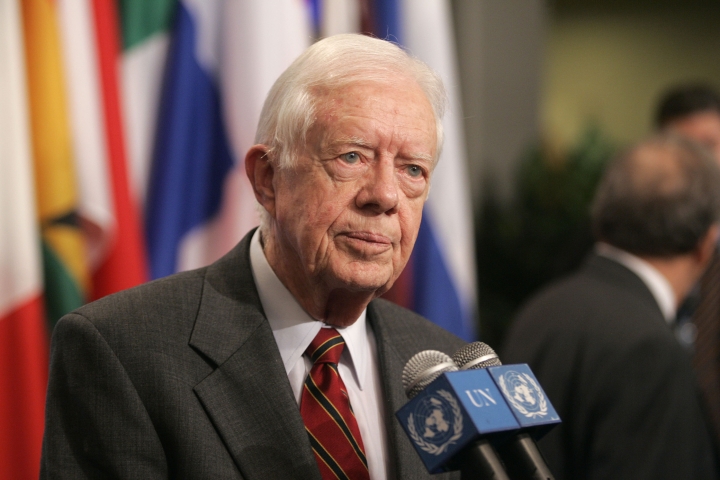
(523, 392)
(436, 423)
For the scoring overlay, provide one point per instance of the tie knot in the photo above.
(326, 347)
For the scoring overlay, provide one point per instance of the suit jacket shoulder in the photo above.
(177, 378)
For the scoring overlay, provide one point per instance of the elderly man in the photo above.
(600, 341)
(277, 361)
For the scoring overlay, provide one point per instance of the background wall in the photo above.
(608, 65)
(500, 56)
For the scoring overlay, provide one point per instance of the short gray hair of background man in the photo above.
(661, 200)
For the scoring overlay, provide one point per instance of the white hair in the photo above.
(290, 108)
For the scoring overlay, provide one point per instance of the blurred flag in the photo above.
(220, 65)
(439, 281)
(23, 331)
(146, 27)
(67, 279)
(70, 225)
(108, 208)
(339, 16)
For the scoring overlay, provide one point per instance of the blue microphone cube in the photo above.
(459, 407)
(451, 413)
(526, 398)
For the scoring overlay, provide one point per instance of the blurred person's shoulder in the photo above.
(603, 306)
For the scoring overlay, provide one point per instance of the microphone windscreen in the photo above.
(476, 355)
(423, 368)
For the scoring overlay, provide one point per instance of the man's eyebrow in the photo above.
(362, 143)
(423, 157)
(357, 141)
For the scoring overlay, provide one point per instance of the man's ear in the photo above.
(260, 172)
(708, 244)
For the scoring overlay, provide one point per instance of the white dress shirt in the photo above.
(294, 329)
(655, 281)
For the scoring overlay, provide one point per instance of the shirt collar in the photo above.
(651, 277)
(293, 327)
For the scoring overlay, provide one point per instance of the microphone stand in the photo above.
(480, 462)
(524, 460)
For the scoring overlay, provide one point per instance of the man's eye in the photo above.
(350, 157)
(414, 171)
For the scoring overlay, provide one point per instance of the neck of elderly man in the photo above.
(337, 305)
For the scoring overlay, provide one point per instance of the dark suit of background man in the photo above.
(199, 375)
(600, 341)
(693, 110)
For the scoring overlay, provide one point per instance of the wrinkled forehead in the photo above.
(324, 96)
(340, 87)
(374, 97)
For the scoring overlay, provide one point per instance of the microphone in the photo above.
(423, 368)
(434, 422)
(520, 454)
(476, 355)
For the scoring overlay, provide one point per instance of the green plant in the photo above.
(543, 233)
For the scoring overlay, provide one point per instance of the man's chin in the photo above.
(362, 282)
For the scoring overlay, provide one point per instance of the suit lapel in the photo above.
(405, 462)
(248, 397)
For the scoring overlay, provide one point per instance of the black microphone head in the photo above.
(423, 368)
(476, 355)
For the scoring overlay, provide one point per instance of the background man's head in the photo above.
(692, 110)
(659, 199)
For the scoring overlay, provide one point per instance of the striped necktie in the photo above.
(328, 416)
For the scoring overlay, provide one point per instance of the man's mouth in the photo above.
(369, 237)
(367, 243)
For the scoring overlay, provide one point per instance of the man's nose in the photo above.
(379, 191)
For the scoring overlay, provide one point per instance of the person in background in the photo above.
(277, 361)
(600, 341)
(693, 110)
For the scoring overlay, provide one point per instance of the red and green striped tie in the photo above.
(328, 416)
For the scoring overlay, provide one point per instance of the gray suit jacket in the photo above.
(182, 378)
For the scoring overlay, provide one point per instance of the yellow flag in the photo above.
(66, 272)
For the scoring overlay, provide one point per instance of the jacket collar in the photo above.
(393, 352)
(247, 397)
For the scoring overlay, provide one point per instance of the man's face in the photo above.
(703, 127)
(347, 215)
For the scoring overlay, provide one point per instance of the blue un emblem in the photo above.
(524, 394)
(436, 422)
